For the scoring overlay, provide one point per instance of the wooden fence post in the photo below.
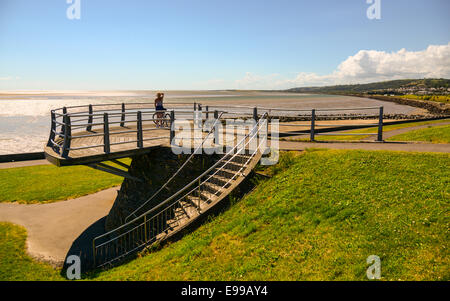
(255, 114)
(67, 136)
(122, 118)
(90, 119)
(106, 143)
(313, 124)
(216, 128)
(380, 125)
(172, 126)
(140, 135)
(199, 115)
(63, 128)
(195, 113)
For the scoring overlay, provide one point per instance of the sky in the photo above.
(212, 44)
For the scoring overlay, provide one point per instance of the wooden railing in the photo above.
(106, 120)
(70, 123)
(313, 125)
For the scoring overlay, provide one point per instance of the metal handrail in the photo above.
(221, 168)
(181, 190)
(178, 201)
(178, 171)
(138, 235)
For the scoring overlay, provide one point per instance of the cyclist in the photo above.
(159, 108)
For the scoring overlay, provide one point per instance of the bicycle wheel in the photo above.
(165, 121)
(155, 115)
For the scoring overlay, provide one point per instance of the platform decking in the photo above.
(91, 148)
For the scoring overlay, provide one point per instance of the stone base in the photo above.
(155, 168)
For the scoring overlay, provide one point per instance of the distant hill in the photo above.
(380, 87)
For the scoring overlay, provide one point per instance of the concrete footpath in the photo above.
(6, 165)
(389, 134)
(388, 146)
(53, 227)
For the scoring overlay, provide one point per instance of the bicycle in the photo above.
(164, 121)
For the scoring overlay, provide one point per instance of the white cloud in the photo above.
(364, 67)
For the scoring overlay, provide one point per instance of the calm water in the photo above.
(25, 120)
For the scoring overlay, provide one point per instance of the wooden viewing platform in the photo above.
(82, 135)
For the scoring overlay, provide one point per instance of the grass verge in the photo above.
(15, 264)
(48, 183)
(438, 134)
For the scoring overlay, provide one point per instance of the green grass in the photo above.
(15, 264)
(438, 98)
(386, 128)
(319, 218)
(48, 183)
(438, 134)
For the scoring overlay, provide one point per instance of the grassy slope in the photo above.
(319, 220)
(439, 134)
(48, 183)
(15, 264)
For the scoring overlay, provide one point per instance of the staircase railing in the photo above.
(253, 133)
(211, 130)
(154, 224)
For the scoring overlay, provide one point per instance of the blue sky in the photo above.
(210, 44)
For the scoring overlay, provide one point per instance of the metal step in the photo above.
(211, 187)
(237, 158)
(220, 180)
(208, 196)
(194, 200)
(234, 165)
(226, 172)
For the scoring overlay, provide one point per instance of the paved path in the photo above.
(388, 146)
(389, 134)
(23, 163)
(52, 228)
